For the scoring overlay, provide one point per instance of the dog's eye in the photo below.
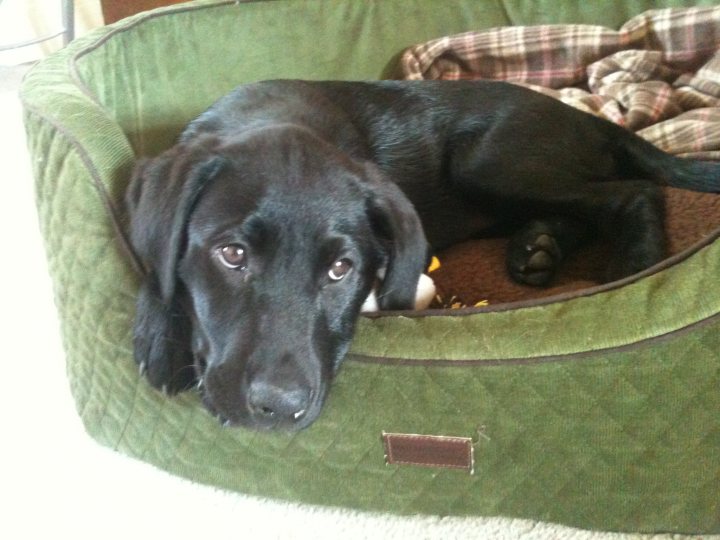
(233, 256)
(340, 269)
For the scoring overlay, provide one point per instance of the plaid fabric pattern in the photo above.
(659, 75)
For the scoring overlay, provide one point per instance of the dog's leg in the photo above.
(629, 213)
(537, 249)
(636, 227)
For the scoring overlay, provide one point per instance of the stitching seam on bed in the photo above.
(133, 22)
(105, 198)
(575, 356)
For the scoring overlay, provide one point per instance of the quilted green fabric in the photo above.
(598, 411)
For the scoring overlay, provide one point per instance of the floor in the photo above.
(56, 480)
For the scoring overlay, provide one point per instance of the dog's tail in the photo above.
(638, 158)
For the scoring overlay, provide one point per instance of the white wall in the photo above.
(23, 20)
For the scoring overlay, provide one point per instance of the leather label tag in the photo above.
(429, 451)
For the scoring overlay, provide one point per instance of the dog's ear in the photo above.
(399, 229)
(159, 200)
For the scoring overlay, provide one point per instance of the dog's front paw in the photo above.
(166, 367)
(533, 257)
(161, 344)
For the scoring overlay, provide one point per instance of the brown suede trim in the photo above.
(429, 451)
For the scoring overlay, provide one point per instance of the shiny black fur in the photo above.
(299, 175)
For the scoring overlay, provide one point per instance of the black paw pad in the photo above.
(534, 261)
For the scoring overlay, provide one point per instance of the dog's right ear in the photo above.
(159, 201)
(161, 196)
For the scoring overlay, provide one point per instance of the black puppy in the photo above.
(264, 229)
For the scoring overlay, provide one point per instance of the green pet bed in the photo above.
(595, 406)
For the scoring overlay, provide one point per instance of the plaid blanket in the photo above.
(659, 75)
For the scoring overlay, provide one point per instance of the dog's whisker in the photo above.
(385, 293)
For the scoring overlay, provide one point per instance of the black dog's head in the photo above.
(259, 252)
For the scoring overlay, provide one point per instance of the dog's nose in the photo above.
(270, 402)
